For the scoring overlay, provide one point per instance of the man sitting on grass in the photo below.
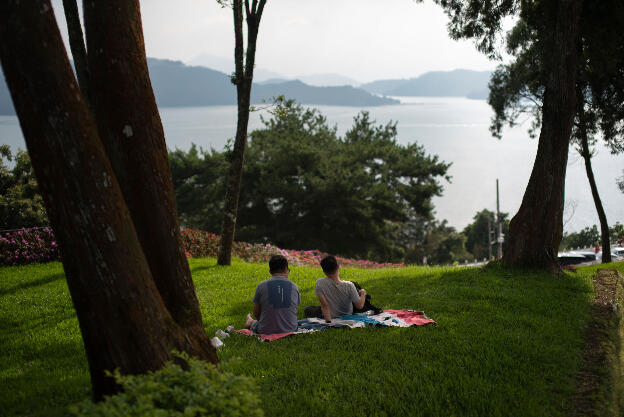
(275, 301)
(337, 297)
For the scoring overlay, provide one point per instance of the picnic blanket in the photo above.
(394, 318)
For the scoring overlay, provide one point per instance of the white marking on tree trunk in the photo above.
(107, 180)
(127, 131)
(110, 234)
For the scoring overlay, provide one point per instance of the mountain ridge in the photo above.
(180, 85)
(458, 82)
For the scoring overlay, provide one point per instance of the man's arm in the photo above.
(360, 303)
(257, 310)
(325, 307)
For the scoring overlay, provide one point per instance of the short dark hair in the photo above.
(329, 264)
(278, 263)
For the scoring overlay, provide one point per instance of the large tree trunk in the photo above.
(130, 127)
(76, 43)
(604, 226)
(123, 320)
(536, 230)
(243, 80)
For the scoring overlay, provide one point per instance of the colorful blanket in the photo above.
(394, 318)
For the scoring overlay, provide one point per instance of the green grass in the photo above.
(506, 343)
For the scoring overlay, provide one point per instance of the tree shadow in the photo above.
(204, 268)
(22, 286)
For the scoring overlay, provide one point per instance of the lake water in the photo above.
(456, 129)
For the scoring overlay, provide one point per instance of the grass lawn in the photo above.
(505, 344)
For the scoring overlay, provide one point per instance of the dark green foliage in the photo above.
(479, 20)
(20, 202)
(306, 188)
(590, 237)
(201, 390)
(440, 243)
(620, 182)
(517, 88)
(199, 184)
(585, 238)
(477, 233)
(616, 232)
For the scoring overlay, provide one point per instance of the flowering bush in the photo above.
(28, 245)
(199, 244)
(39, 245)
(203, 244)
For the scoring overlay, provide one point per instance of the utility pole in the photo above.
(501, 238)
(489, 239)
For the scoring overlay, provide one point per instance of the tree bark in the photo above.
(535, 231)
(122, 317)
(243, 80)
(132, 133)
(76, 43)
(604, 225)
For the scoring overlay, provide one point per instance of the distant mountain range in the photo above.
(178, 85)
(265, 76)
(460, 83)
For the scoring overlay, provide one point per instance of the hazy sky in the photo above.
(361, 39)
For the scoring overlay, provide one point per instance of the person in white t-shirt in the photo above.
(337, 297)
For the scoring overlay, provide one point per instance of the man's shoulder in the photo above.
(264, 283)
(321, 282)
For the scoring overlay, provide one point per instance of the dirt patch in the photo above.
(599, 381)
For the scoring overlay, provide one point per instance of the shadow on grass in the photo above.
(204, 268)
(24, 285)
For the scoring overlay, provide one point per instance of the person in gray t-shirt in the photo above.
(336, 296)
(275, 301)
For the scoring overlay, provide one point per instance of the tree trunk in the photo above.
(232, 191)
(536, 230)
(132, 133)
(76, 43)
(604, 226)
(243, 81)
(123, 319)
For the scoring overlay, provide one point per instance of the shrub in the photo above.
(199, 244)
(39, 245)
(202, 390)
(28, 245)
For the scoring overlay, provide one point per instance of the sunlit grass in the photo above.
(506, 343)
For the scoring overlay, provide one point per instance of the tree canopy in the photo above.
(21, 204)
(305, 187)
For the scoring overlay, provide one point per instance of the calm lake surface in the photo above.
(455, 129)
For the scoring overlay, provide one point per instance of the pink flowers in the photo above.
(27, 246)
(203, 244)
(39, 245)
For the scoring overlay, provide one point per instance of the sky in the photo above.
(362, 39)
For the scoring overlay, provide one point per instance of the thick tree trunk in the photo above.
(604, 226)
(536, 230)
(130, 127)
(76, 43)
(243, 81)
(123, 320)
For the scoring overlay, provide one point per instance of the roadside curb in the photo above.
(599, 383)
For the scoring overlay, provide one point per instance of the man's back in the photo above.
(278, 298)
(340, 295)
